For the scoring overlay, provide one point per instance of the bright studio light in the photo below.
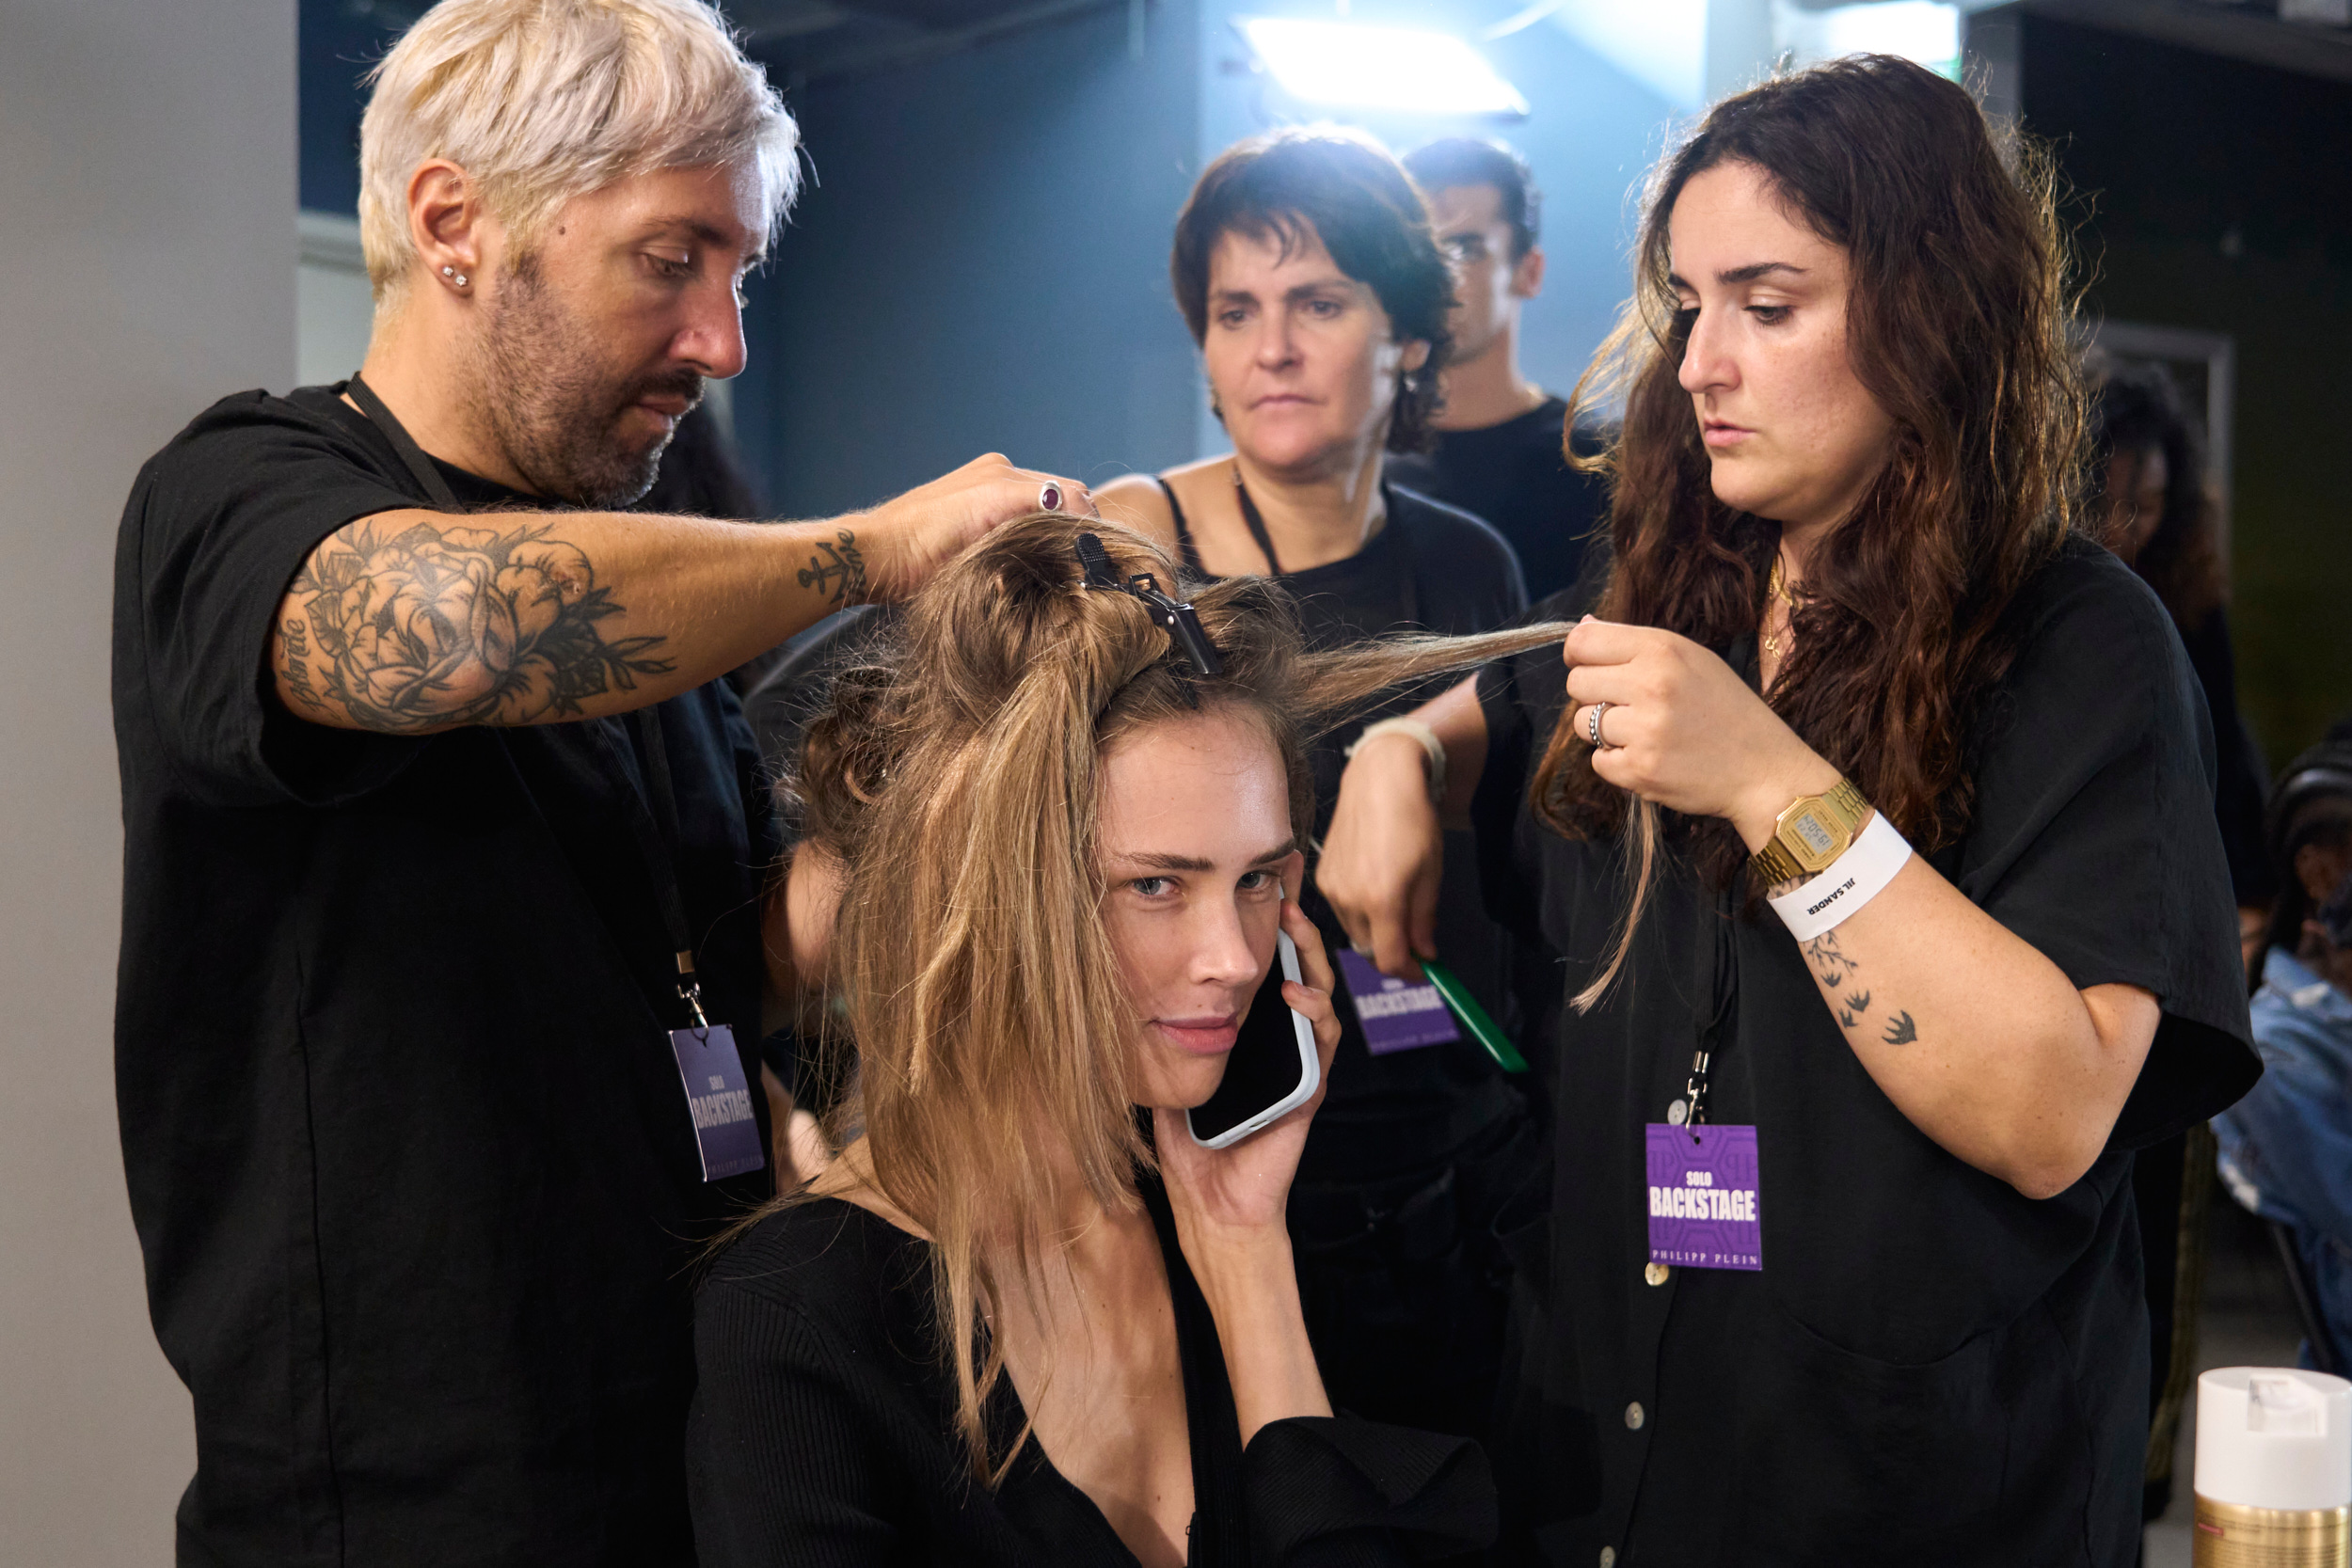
(1379, 68)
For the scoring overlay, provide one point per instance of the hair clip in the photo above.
(1181, 625)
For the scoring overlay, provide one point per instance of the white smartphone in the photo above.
(1272, 1070)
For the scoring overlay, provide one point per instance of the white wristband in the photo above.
(1847, 883)
(1420, 731)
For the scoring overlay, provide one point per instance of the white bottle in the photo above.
(2274, 1470)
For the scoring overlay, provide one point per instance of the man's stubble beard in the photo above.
(555, 409)
(1465, 350)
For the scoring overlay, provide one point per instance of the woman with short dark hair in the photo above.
(1305, 267)
(1340, 194)
(1872, 819)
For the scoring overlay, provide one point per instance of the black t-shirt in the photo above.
(407, 1148)
(1515, 476)
(823, 1436)
(1431, 568)
(1930, 1368)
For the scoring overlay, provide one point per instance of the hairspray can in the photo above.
(2274, 1470)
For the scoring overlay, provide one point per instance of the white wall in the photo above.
(333, 309)
(147, 266)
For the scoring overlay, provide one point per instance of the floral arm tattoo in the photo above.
(1839, 974)
(430, 628)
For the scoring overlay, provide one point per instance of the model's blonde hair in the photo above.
(542, 101)
(957, 773)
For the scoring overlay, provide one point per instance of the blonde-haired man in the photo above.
(446, 851)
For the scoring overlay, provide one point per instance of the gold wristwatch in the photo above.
(1813, 832)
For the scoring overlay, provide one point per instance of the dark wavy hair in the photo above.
(1348, 191)
(1956, 323)
(2137, 407)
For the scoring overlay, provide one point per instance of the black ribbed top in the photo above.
(822, 1435)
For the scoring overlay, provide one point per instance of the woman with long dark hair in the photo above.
(2148, 502)
(1872, 819)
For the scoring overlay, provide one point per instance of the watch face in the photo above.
(1814, 836)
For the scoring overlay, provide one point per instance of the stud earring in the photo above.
(454, 275)
(461, 279)
(449, 272)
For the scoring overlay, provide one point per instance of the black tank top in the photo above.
(1399, 546)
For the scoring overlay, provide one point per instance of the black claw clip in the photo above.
(1181, 625)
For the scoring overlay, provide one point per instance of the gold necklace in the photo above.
(1775, 587)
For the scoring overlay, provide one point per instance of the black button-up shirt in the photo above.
(1930, 1368)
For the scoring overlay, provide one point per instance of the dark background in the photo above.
(2217, 195)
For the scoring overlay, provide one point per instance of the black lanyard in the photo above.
(1712, 932)
(656, 842)
(1709, 1001)
(1407, 591)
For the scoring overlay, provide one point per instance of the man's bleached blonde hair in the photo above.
(542, 101)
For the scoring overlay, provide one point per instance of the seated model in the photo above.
(1024, 1317)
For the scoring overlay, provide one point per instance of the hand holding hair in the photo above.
(1977, 1037)
(1680, 729)
(908, 538)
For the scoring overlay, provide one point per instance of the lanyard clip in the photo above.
(1696, 1086)
(690, 991)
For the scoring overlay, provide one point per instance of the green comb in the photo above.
(1487, 1032)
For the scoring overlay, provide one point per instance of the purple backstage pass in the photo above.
(719, 1099)
(1703, 1187)
(1396, 1014)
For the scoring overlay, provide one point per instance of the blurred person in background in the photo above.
(2150, 502)
(446, 849)
(1305, 266)
(2287, 1148)
(1499, 449)
(2147, 499)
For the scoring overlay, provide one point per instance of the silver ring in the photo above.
(1592, 728)
(1049, 497)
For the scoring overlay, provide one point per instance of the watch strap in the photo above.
(1777, 863)
(1774, 864)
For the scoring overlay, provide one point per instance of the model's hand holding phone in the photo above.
(1273, 1068)
(1231, 1206)
(1230, 1162)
